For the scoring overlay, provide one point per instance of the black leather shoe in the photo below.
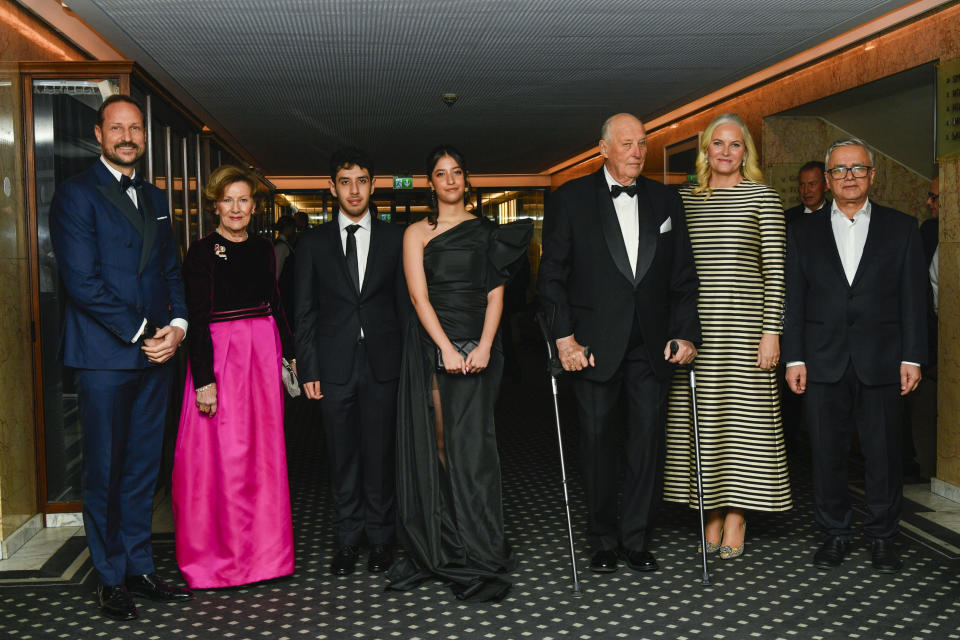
(153, 588)
(115, 602)
(884, 557)
(345, 561)
(604, 561)
(830, 554)
(380, 558)
(641, 561)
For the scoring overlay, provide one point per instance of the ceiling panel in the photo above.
(293, 79)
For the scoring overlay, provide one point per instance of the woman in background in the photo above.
(449, 502)
(737, 231)
(231, 502)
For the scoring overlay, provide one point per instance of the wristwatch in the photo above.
(149, 330)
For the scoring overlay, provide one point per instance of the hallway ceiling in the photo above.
(291, 80)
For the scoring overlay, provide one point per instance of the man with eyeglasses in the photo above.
(854, 338)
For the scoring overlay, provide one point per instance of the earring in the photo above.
(433, 198)
(743, 162)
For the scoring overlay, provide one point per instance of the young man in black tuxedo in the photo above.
(617, 275)
(854, 338)
(351, 303)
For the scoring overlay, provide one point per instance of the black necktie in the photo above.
(617, 189)
(353, 263)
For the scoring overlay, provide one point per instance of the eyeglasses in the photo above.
(933, 197)
(858, 171)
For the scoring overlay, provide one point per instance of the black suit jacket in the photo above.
(330, 312)
(585, 283)
(877, 322)
(795, 213)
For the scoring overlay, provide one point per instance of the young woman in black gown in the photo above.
(449, 502)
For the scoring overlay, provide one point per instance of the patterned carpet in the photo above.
(770, 592)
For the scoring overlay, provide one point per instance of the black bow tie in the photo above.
(126, 182)
(617, 189)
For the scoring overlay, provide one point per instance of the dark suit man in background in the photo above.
(124, 319)
(617, 274)
(351, 301)
(812, 188)
(854, 339)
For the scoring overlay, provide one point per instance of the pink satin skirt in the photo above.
(231, 500)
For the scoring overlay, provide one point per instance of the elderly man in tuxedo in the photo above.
(617, 276)
(854, 339)
(124, 319)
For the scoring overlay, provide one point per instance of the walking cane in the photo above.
(674, 347)
(555, 369)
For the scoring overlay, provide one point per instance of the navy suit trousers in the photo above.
(122, 413)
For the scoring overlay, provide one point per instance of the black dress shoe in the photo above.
(345, 561)
(831, 552)
(153, 588)
(884, 557)
(604, 561)
(641, 561)
(380, 558)
(115, 602)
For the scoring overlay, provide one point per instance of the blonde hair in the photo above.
(224, 176)
(750, 168)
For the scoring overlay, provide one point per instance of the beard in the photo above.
(112, 155)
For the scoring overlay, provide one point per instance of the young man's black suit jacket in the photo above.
(358, 378)
(853, 337)
(330, 312)
(587, 290)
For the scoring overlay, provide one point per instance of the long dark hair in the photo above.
(432, 159)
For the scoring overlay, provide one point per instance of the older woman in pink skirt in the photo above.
(231, 501)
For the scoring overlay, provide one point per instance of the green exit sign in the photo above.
(402, 182)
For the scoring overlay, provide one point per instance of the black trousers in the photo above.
(359, 419)
(597, 408)
(876, 412)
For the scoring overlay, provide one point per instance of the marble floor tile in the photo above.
(39, 549)
(946, 519)
(921, 493)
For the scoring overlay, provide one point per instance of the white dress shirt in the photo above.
(850, 235)
(132, 194)
(363, 240)
(629, 218)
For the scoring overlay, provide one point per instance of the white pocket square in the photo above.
(666, 226)
(165, 217)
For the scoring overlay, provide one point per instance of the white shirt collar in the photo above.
(807, 209)
(113, 171)
(610, 180)
(345, 222)
(862, 212)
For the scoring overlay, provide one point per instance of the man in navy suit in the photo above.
(854, 338)
(124, 319)
(351, 304)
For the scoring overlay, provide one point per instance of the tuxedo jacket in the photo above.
(876, 322)
(118, 266)
(329, 311)
(586, 286)
(793, 214)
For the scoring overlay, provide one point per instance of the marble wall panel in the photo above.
(948, 382)
(18, 470)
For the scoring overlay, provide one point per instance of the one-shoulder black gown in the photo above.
(451, 518)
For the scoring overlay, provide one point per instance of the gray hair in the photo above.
(848, 142)
(605, 128)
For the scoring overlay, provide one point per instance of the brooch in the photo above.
(220, 251)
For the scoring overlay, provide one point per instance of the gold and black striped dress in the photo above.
(739, 239)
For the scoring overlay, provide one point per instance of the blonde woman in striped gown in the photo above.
(737, 230)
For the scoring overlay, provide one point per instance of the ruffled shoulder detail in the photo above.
(508, 245)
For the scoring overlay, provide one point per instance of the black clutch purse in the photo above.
(463, 346)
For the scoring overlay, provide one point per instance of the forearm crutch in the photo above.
(555, 369)
(674, 347)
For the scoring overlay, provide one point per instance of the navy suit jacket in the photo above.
(876, 322)
(586, 285)
(117, 267)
